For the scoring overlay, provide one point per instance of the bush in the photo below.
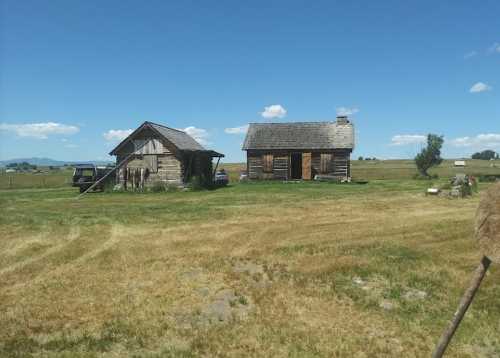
(420, 176)
(488, 178)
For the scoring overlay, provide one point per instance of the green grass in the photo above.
(361, 170)
(130, 274)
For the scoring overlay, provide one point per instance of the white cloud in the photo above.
(406, 139)
(39, 130)
(495, 48)
(116, 135)
(480, 87)
(490, 140)
(199, 134)
(345, 111)
(70, 146)
(470, 54)
(237, 130)
(274, 111)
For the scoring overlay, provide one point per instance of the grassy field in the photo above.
(258, 269)
(362, 170)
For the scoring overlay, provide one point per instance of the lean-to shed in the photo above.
(156, 153)
(299, 150)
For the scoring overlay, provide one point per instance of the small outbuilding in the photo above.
(459, 163)
(299, 150)
(156, 153)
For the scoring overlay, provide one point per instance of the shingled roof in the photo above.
(300, 135)
(178, 138)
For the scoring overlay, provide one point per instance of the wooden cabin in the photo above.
(300, 150)
(154, 153)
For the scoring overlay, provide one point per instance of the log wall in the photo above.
(338, 166)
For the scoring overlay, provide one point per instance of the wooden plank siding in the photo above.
(337, 164)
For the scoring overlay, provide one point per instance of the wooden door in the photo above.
(306, 166)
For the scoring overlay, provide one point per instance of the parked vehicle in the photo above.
(221, 177)
(85, 175)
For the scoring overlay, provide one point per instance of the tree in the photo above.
(360, 158)
(485, 155)
(430, 155)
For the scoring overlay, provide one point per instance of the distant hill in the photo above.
(45, 162)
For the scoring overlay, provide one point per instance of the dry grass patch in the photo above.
(253, 270)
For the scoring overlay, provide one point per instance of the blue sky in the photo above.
(76, 75)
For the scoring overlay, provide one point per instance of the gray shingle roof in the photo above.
(300, 135)
(180, 139)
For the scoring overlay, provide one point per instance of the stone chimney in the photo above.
(342, 120)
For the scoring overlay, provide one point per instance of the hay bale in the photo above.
(488, 223)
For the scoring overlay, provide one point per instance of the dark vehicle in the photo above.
(221, 177)
(87, 174)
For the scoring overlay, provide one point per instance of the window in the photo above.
(267, 163)
(326, 159)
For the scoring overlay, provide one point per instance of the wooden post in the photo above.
(10, 182)
(112, 171)
(462, 308)
(306, 166)
(216, 165)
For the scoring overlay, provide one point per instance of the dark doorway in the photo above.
(296, 166)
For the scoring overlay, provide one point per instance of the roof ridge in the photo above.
(163, 126)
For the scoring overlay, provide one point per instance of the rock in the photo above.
(225, 306)
(456, 191)
(118, 187)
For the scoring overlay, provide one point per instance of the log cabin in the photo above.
(154, 153)
(299, 150)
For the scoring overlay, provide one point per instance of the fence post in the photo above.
(10, 182)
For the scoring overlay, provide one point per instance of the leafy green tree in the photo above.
(360, 158)
(485, 155)
(430, 155)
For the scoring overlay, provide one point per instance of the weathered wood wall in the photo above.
(338, 164)
(168, 168)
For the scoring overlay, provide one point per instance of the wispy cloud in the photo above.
(70, 146)
(480, 87)
(116, 135)
(495, 48)
(470, 55)
(199, 134)
(406, 139)
(237, 130)
(485, 141)
(39, 130)
(346, 111)
(274, 111)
